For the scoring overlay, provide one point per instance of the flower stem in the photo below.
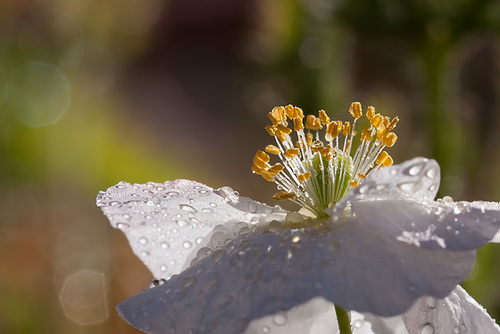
(344, 320)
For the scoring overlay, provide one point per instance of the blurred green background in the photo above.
(94, 92)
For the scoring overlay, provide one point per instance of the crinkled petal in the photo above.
(416, 179)
(433, 225)
(458, 313)
(165, 222)
(265, 272)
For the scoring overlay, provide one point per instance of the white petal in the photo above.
(165, 222)
(267, 272)
(416, 179)
(457, 313)
(316, 316)
(433, 225)
(390, 325)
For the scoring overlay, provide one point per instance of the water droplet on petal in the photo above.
(188, 208)
(428, 328)
(431, 173)
(121, 226)
(186, 244)
(266, 329)
(207, 210)
(432, 302)
(358, 323)
(280, 319)
(163, 267)
(415, 169)
(143, 240)
(165, 245)
(252, 207)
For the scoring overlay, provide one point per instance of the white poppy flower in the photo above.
(368, 239)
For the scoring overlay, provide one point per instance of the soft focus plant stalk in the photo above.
(344, 320)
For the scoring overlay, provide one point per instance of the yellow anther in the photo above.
(276, 168)
(317, 146)
(271, 130)
(393, 123)
(366, 134)
(268, 176)
(386, 120)
(309, 139)
(381, 132)
(275, 115)
(283, 195)
(290, 111)
(376, 120)
(354, 183)
(263, 156)
(281, 135)
(324, 117)
(291, 152)
(298, 124)
(304, 177)
(256, 169)
(299, 112)
(384, 159)
(283, 129)
(272, 149)
(346, 129)
(259, 162)
(356, 110)
(333, 129)
(347, 145)
(390, 139)
(313, 123)
(362, 176)
(370, 112)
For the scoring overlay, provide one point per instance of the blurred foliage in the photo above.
(97, 92)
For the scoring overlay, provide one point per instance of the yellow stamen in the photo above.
(333, 129)
(298, 124)
(276, 168)
(355, 110)
(390, 139)
(354, 183)
(272, 149)
(304, 177)
(284, 129)
(291, 152)
(347, 129)
(324, 117)
(370, 112)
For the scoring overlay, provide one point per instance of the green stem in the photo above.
(344, 320)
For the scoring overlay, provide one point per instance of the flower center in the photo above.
(316, 169)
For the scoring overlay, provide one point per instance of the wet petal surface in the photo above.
(264, 272)
(165, 222)
(458, 313)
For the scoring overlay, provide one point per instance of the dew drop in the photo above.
(393, 172)
(431, 173)
(358, 323)
(188, 208)
(114, 203)
(266, 329)
(182, 223)
(207, 210)
(212, 204)
(163, 267)
(172, 194)
(428, 328)
(414, 170)
(252, 207)
(432, 302)
(165, 245)
(199, 240)
(280, 319)
(186, 244)
(143, 240)
(144, 253)
(121, 226)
